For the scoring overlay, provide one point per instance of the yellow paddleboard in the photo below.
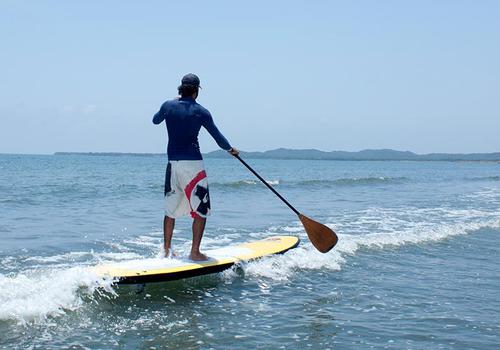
(162, 269)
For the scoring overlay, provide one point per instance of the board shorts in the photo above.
(186, 189)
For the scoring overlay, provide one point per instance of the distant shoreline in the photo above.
(313, 154)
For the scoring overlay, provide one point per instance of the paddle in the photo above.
(322, 237)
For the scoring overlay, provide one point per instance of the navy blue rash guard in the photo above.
(184, 118)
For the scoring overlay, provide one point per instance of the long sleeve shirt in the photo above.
(184, 119)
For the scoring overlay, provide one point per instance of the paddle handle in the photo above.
(268, 186)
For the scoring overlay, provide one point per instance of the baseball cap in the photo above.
(191, 79)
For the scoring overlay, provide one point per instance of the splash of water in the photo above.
(37, 295)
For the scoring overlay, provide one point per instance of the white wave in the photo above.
(373, 229)
(147, 240)
(291, 229)
(117, 256)
(91, 256)
(282, 267)
(37, 295)
(211, 240)
(58, 258)
(351, 243)
(8, 262)
(490, 195)
(256, 182)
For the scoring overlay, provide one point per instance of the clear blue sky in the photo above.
(409, 75)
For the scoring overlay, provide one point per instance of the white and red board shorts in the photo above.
(186, 189)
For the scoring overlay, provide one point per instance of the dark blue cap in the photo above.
(191, 79)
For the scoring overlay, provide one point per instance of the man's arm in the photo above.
(209, 124)
(160, 116)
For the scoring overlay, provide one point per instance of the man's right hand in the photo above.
(233, 151)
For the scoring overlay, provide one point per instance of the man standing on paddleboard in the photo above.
(186, 186)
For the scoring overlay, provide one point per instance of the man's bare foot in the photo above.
(198, 256)
(169, 253)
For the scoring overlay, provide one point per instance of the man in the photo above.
(186, 186)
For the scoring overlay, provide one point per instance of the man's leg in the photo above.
(168, 230)
(198, 228)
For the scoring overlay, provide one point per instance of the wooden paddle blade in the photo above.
(323, 238)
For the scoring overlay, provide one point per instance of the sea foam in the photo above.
(37, 295)
(42, 292)
(373, 229)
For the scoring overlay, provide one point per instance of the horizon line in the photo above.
(245, 151)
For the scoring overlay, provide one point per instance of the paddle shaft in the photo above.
(268, 186)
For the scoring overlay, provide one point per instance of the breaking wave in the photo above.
(34, 296)
(372, 229)
(243, 184)
(363, 181)
(47, 290)
(355, 181)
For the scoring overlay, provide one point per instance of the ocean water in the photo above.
(416, 266)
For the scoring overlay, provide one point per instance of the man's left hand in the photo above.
(233, 151)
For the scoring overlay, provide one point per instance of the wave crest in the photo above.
(35, 296)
